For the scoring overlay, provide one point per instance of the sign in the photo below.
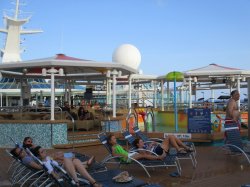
(199, 120)
(179, 135)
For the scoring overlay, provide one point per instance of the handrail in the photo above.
(132, 112)
(149, 112)
(73, 121)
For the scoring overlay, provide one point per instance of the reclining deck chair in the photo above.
(234, 143)
(65, 179)
(95, 166)
(104, 177)
(168, 162)
(23, 175)
(180, 156)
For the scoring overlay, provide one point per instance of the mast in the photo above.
(13, 30)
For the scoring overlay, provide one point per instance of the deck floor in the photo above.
(214, 169)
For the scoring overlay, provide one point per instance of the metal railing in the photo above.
(134, 114)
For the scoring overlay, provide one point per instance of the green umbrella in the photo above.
(175, 76)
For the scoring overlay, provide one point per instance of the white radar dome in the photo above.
(128, 55)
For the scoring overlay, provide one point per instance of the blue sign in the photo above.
(199, 120)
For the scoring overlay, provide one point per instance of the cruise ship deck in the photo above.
(215, 168)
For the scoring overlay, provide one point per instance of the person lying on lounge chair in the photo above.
(28, 143)
(178, 144)
(58, 156)
(71, 165)
(26, 159)
(159, 148)
(118, 150)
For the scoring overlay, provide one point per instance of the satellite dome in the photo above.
(128, 55)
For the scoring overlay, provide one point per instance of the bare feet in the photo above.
(181, 150)
(90, 161)
(95, 184)
(189, 149)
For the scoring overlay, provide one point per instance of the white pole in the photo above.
(17, 9)
(52, 100)
(107, 90)
(69, 94)
(7, 99)
(181, 95)
(155, 94)
(109, 103)
(129, 91)
(65, 91)
(162, 95)
(212, 96)
(168, 95)
(114, 95)
(190, 92)
(238, 88)
(1, 99)
(41, 96)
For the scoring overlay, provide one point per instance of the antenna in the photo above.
(17, 9)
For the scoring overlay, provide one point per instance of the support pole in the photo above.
(114, 95)
(190, 91)
(162, 95)
(52, 100)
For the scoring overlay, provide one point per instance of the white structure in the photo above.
(128, 55)
(214, 77)
(13, 30)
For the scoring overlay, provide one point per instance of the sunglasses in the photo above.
(29, 141)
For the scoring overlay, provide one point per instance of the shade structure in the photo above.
(175, 76)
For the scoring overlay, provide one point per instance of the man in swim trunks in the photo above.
(232, 110)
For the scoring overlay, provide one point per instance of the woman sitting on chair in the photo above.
(71, 165)
(26, 159)
(118, 150)
(159, 148)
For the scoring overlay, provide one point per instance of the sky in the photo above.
(171, 35)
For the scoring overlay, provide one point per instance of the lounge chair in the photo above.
(169, 161)
(234, 143)
(65, 178)
(23, 175)
(180, 156)
(104, 177)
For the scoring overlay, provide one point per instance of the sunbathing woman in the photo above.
(157, 147)
(58, 156)
(154, 147)
(26, 159)
(118, 150)
(178, 144)
(164, 146)
(70, 164)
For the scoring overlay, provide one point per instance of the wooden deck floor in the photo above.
(214, 169)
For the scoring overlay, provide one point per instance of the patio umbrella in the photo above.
(175, 76)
